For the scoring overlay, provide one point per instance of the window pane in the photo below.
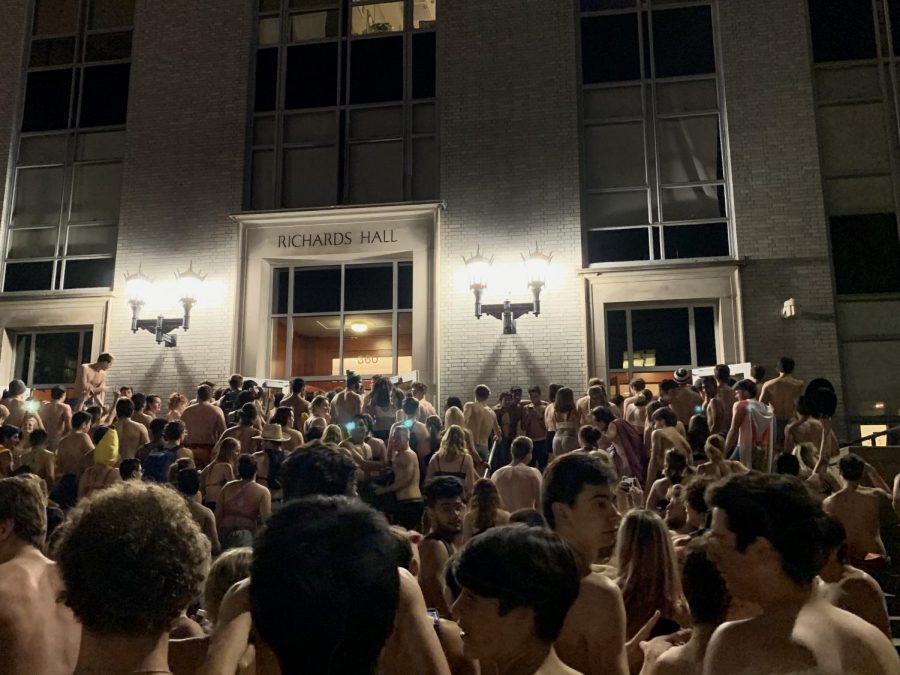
(56, 357)
(423, 118)
(616, 209)
(34, 276)
(609, 48)
(686, 96)
(613, 102)
(263, 191)
(305, 4)
(97, 273)
(425, 14)
(53, 17)
(376, 172)
(111, 13)
(108, 46)
(278, 360)
(851, 196)
(384, 17)
(86, 347)
(100, 145)
(47, 100)
(853, 140)
(614, 155)
(368, 343)
(310, 128)
(404, 342)
(376, 123)
(38, 197)
(269, 31)
(616, 339)
(32, 243)
(23, 357)
(424, 60)
(269, 5)
(42, 149)
(104, 95)
(599, 5)
(92, 240)
(689, 149)
(425, 169)
(683, 42)
(314, 26)
(376, 70)
(847, 82)
(52, 52)
(865, 250)
(697, 241)
(315, 346)
(693, 203)
(405, 285)
(96, 192)
(866, 364)
(663, 332)
(618, 245)
(317, 289)
(842, 31)
(264, 131)
(705, 336)
(368, 287)
(281, 279)
(310, 177)
(266, 80)
(311, 76)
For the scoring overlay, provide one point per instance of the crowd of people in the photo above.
(692, 527)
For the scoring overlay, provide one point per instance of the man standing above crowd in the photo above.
(132, 435)
(90, 382)
(205, 423)
(534, 426)
(228, 402)
(684, 401)
(519, 485)
(782, 394)
(349, 403)
(481, 421)
(56, 416)
(296, 402)
(724, 391)
(713, 407)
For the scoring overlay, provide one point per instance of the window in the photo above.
(328, 319)
(648, 339)
(865, 249)
(45, 359)
(63, 226)
(344, 109)
(654, 169)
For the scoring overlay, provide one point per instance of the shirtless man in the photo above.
(284, 416)
(408, 509)
(534, 426)
(782, 394)
(596, 396)
(772, 560)
(481, 421)
(296, 402)
(205, 423)
(74, 453)
(132, 435)
(140, 403)
(56, 416)
(684, 401)
(713, 407)
(636, 387)
(348, 403)
(508, 414)
(419, 440)
(39, 634)
(153, 407)
(519, 485)
(445, 508)
(40, 461)
(578, 503)
(725, 393)
(90, 382)
(14, 402)
(806, 429)
(664, 437)
(859, 510)
(426, 410)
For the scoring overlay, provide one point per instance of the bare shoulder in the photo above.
(721, 655)
(598, 592)
(862, 644)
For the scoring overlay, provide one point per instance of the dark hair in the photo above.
(282, 414)
(522, 567)
(521, 447)
(152, 398)
(589, 436)
(124, 408)
(665, 414)
(80, 418)
(204, 393)
(8, 431)
(786, 364)
(530, 517)
(98, 433)
(173, 430)
(851, 467)
(703, 586)
(105, 357)
(248, 413)
(236, 380)
(22, 502)
(453, 402)
(534, 390)
(482, 392)
(603, 414)
(410, 406)
(564, 402)
(834, 536)
(139, 401)
(695, 493)
(128, 467)
(779, 509)
(340, 553)
(317, 470)
(297, 384)
(697, 433)
(748, 386)
(758, 372)
(668, 385)
(440, 489)
(189, 482)
(96, 412)
(57, 392)
(787, 463)
(722, 372)
(314, 434)
(37, 437)
(157, 427)
(246, 467)
(565, 478)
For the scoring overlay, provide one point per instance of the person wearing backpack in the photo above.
(156, 466)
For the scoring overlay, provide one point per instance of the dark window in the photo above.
(376, 70)
(317, 289)
(609, 48)
(53, 17)
(683, 42)
(618, 245)
(280, 290)
(96, 273)
(404, 286)
(709, 240)
(894, 8)
(54, 52)
(599, 5)
(111, 13)
(266, 79)
(842, 30)
(663, 331)
(55, 357)
(423, 65)
(616, 339)
(33, 276)
(104, 97)
(311, 76)
(705, 335)
(368, 287)
(47, 100)
(108, 46)
(866, 251)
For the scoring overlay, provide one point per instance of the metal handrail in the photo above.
(870, 437)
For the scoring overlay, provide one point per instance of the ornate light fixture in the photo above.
(140, 287)
(536, 265)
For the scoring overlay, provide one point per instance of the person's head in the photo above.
(81, 421)
(453, 443)
(787, 464)
(410, 407)
(332, 434)
(597, 395)
(698, 431)
(57, 393)
(534, 395)
(16, 388)
(676, 509)
(603, 417)
(30, 422)
(176, 467)
(521, 449)
(506, 399)
(317, 470)
(104, 361)
(419, 389)
(283, 416)
(516, 392)
(124, 408)
(319, 406)
(23, 515)
(177, 401)
(758, 373)
(444, 504)
(530, 517)
(435, 428)
(666, 387)
(674, 465)
(153, 404)
(664, 417)
(156, 429)
(247, 414)
(188, 481)
(746, 389)
(454, 415)
(579, 504)
(96, 413)
(482, 393)
(229, 450)
(358, 428)
(637, 386)
(703, 585)
(340, 553)
(236, 381)
(589, 437)
(453, 402)
(399, 437)
(851, 467)
(130, 469)
(174, 432)
(10, 435)
(518, 584)
(126, 391)
(485, 501)
(764, 526)
(228, 569)
(714, 448)
(723, 373)
(710, 386)
(354, 381)
(785, 365)
(246, 467)
(834, 541)
(695, 501)
(204, 393)
(139, 401)
(38, 439)
(298, 384)
(564, 401)
(132, 559)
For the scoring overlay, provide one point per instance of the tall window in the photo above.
(654, 171)
(329, 319)
(48, 358)
(344, 103)
(67, 184)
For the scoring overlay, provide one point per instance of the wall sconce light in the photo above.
(140, 289)
(791, 309)
(536, 265)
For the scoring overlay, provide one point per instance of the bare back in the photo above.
(71, 453)
(56, 418)
(132, 436)
(859, 511)
(683, 402)
(782, 394)
(592, 640)
(519, 486)
(480, 420)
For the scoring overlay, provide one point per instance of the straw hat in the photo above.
(272, 432)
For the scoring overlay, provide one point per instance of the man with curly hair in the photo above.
(132, 559)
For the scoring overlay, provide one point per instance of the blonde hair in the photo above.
(230, 567)
(485, 503)
(38, 424)
(453, 443)
(228, 451)
(714, 448)
(454, 415)
(176, 400)
(332, 434)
